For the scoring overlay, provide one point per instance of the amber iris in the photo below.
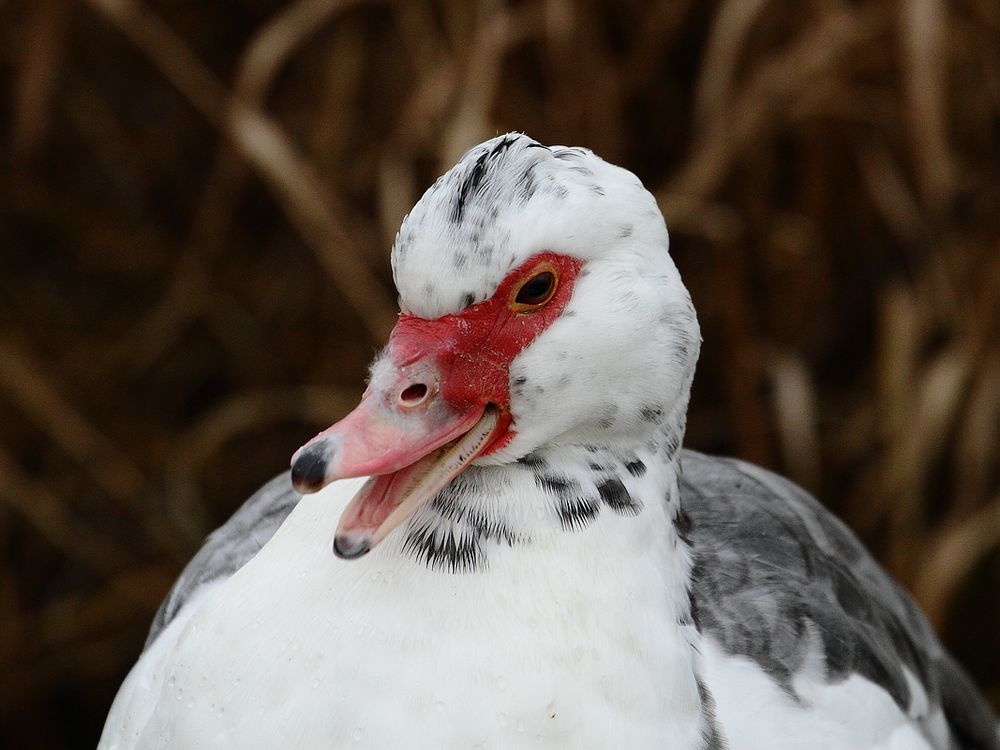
(535, 291)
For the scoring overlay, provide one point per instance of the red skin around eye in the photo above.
(473, 349)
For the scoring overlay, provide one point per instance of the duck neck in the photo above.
(598, 531)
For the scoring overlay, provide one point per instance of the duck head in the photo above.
(539, 306)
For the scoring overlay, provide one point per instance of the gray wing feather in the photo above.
(774, 570)
(230, 547)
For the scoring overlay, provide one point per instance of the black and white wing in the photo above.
(230, 547)
(773, 569)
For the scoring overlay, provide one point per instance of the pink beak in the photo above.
(438, 399)
(404, 435)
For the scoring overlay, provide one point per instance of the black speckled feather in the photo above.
(773, 571)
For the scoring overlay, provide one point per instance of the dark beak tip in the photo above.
(304, 488)
(309, 468)
(348, 549)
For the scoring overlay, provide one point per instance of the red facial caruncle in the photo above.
(438, 399)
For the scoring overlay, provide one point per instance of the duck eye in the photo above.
(536, 291)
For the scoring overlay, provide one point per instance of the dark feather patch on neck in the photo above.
(453, 533)
(456, 535)
(444, 550)
(614, 494)
(601, 483)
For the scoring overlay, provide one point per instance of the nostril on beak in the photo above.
(413, 395)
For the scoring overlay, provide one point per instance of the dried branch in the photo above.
(263, 143)
(28, 385)
(36, 82)
(51, 518)
(953, 555)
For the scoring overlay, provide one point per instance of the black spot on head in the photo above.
(526, 185)
(473, 179)
(597, 190)
(520, 380)
(565, 380)
(636, 468)
(501, 146)
(625, 231)
(468, 299)
(614, 494)
(459, 261)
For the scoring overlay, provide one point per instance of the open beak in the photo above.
(437, 400)
(407, 438)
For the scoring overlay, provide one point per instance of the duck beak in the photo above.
(408, 467)
(407, 437)
(438, 399)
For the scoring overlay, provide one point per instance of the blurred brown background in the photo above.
(198, 198)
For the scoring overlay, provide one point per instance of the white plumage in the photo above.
(585, 584)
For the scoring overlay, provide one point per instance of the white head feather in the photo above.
(616, 367)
